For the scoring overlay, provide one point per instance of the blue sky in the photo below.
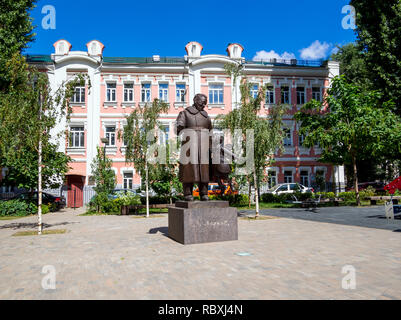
(293, 28)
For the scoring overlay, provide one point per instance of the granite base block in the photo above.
(202, 222)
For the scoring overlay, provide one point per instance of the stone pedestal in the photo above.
(202, 222)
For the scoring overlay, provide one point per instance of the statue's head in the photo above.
(200, 101)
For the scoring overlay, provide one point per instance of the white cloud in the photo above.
(315, 51)
(267, 56)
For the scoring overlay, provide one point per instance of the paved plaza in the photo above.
(122, 257)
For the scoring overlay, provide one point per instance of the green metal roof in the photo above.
(38, 58)
(291, 63)
(139, 60)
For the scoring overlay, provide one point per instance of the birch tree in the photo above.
(266, 128)
(139, 135)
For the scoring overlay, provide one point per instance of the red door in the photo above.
(75, 192)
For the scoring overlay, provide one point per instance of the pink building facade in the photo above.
(120, 84)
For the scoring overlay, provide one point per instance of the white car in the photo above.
(289, 188)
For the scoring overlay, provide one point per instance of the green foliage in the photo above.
(18, 208)
(267, 130)
(164, 177)
(325, 195)
(349, 126)
(141, 123)
(347, 196)
(102, 204)
(127, 199)
(23, 170)
(237, 200)
(378, 29)
(285, 197)
(368, 192)
(352, 65)
(161, 199)
(39, 110)
(103, 174)
(16, 31)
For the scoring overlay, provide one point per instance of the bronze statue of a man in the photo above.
(195, 124)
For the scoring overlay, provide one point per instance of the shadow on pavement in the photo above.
(162, 230)
(16, 226)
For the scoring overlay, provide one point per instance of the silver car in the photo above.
(289, 188)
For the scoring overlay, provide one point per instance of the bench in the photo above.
(314, 202)
(373, 200)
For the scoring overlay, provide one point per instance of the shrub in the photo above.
(304, 196)
(101, 203)
(19, 208)
(368, 192)
(326, 195)
(285, 197)
(127, 199)
(237, 200)
(348, 196)
(268, 198)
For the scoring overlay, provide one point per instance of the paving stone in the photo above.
(114, 257)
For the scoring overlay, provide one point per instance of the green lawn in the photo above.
(13, 217)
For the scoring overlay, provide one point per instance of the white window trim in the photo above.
(168, 91)
(304, 94)
(142, 103)
(221, 103)
(129, 102)
(115, 89)
(77, 150)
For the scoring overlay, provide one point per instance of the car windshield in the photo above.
(273, 188)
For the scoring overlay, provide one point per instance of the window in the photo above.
(254, 91)
(77, 137)
(300, 95)
(283, 188)
(270, 95)
(180, 93)
(272, 178)
(295, 187)
(301, 140)
(128, 92)
(287, 176)
(128, 180)
(285, 95)
(305, 178)
(79, 95)
(316, 94)
(163, 92)
(287, 137)
(164, 135)
(216, 94)
(145, 92)
(111, 92)
(111, 136)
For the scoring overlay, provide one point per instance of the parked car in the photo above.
(289, 188)
(47, 199)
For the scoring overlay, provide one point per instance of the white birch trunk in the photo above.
(256, 194)
(40, 176)
(147, 190)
